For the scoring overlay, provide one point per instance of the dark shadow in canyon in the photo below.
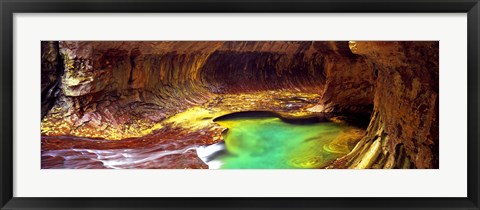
(100, 97)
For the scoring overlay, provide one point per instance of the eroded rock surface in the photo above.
(403, 131)
(133, 90)
(118, 90)
(51, 72)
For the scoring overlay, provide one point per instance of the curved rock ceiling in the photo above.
(127, 90)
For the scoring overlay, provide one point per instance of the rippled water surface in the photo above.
(258, 142)
(168, 149)
(269, 142)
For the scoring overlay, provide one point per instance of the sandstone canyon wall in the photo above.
(112, 89)
(403, 132)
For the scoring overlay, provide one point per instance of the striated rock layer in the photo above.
(118, 90)
(52, 69)
(126, 90)
(403, 132)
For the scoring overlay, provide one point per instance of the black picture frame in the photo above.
(9, 7)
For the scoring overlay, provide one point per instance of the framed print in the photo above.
(239, 105)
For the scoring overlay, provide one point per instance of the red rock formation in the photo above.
(114, 89)
(403, 131)
(111, 88)
(350, 80)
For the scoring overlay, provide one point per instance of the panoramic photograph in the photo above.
(239, 104)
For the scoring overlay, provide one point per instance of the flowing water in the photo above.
(252, 141)
(169, 148)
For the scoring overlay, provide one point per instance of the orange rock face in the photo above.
(133, 86)
(350, 81)
(406, 96)
(129, 90)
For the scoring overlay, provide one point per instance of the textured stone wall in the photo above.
(350, 81)
(51, 73)
(120, 87)
(407, 96)
(403, 132)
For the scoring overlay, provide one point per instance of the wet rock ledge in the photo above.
(144, 91)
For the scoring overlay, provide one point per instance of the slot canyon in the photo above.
(240, 104)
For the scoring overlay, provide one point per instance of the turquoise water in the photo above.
(269, 142)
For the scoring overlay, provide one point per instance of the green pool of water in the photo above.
(269, 142)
